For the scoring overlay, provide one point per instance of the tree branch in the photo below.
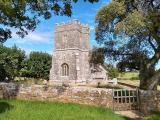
(154, 81)
(154, 59)
(152, 45)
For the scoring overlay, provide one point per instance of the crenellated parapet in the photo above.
(72, 25)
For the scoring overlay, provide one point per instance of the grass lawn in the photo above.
(35, 110)
(156, 116)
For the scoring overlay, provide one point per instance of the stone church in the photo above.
(70, 60)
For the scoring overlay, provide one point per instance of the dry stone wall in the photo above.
(81, 95)
(149, 101)
(8, 90)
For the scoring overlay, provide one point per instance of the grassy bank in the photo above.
(128, 76)
(34, 110)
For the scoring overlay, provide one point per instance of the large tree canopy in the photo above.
(130, 30)
(15, 63)
(24, 14)
(39, 65)
(10, 62)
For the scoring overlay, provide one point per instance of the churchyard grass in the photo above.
(155, 116)
(36, 110)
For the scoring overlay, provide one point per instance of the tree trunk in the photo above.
(145, 81)
(149, 84)
(149, 78)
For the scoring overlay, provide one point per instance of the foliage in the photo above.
(96, 56)
(36, 110)
(130, 63)
(155, 116)
(10, 62)
(14, 63)
(38, 65)
(111, 71)
(27, 81)
(130, 34)
(24, 15)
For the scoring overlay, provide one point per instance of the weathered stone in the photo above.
(72, 50)
(149, 101)
(81, 95)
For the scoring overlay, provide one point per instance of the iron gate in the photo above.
(125, 99)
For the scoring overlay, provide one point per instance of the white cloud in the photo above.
(40, 37)
(35, 37)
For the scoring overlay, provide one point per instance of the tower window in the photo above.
(65, 69)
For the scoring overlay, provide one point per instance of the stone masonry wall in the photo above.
(149, 101)
(81, 95)
(8, 90)
(72, 48)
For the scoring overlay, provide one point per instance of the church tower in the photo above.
(70, 60)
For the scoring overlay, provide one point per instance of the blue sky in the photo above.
(42, 39)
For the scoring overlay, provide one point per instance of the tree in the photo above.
(128, 28)
(39, 65)
(14, 63)
(96, 56)
(111, 71)
(24, 14)
(10, 62)
(130, 63)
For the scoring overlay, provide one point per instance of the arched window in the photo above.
(65, 69)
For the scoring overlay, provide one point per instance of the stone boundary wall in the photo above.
(81, 95)
(149, 101)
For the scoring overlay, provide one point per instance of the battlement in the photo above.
(74, 21)
(72, 25)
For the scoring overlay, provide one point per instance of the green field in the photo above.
(34, 110)
(129, 76)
